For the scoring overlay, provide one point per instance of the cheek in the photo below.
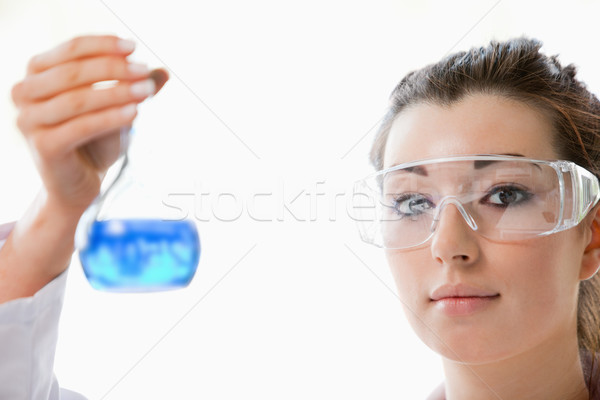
(410, 273)
(541, 275)
(413, 274)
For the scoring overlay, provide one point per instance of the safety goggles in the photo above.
(502, 198)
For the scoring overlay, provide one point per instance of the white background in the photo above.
(288, 309)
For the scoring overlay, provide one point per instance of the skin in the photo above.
(524, 343)
(73, 131)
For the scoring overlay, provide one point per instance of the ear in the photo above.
(590, 263)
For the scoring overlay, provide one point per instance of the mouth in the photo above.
(462, 300)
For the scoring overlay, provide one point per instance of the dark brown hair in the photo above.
(516, 69)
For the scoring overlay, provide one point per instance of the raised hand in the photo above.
(72, 126)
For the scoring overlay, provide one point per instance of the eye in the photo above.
(505, 196)
(412, 204)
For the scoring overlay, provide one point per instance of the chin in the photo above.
(470, 352)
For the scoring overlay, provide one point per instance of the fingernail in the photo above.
(143, 88)
(138, 69)
(126, 45)
(128, 110)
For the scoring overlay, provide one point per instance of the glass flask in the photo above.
(126, 242)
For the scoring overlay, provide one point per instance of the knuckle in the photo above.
(71, 72)
(15, 93)
(108, 120)
(23, 120)
(90, 125)
(23, 91)
(103, 121)
(73, 45)
(128, 117)
(33, 63)
(112, 66)
(76, 102)
(86, 124)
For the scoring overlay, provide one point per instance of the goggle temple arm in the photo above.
(586, 193)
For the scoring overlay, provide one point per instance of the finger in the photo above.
(80, 47)
(53, 143)
(80, 101)
(78, 73)
(15, 93)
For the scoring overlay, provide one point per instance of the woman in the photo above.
(494, 261)
(502, 313)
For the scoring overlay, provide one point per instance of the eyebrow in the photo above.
(419, 170)
(482, 164)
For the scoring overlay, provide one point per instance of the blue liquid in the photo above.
(140, 255)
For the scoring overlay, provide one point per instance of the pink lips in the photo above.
(460, 300)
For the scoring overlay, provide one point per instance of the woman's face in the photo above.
(531, 285)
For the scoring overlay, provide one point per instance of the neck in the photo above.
(546, 372)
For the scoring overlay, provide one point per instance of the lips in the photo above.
(460, 290)
(462, 300)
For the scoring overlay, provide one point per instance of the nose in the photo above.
(454, 240)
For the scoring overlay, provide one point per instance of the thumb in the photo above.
(160, 76)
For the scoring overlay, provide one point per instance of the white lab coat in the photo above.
(28, 335)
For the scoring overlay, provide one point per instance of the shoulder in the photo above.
(438, 394)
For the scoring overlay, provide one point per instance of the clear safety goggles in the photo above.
(502, 198)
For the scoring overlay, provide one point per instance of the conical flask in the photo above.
(126, 243)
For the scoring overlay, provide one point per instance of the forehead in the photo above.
(477, 124)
